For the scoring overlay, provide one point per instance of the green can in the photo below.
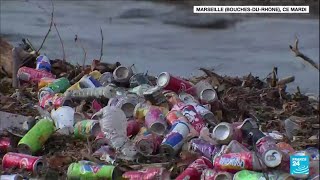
(59, 85)
(86, 128)
(86, 170)
(252, 175)
(36, 137)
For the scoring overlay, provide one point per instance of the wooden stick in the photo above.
(297, 53)
(101, 52)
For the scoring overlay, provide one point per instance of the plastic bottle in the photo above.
(99, 92)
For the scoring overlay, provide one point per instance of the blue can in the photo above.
(43, 63)
(174, 140)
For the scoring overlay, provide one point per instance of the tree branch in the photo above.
(295, 50)
(51, 23)
(101, 52)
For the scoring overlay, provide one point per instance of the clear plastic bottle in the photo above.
(99, 92)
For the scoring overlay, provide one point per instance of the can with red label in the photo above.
(32, 75)
(194, 170)
(149, 173)
(234, 162)
(155, 121)
(22, 161)
(5, 144)
(211, 174)
(56, 100)
(269, 151)
(193, 117)
(174, 116)
(225, 132)
(169, 82)
(133, 127)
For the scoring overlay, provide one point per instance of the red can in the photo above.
(133, 128)
(194, 170)
(174, 116)
(169, 82)
(271, 155)
(193, 117)
(22, 161)
(32, 75)
(234, 162)
(148, 174)
(5, 144)
(56, 100)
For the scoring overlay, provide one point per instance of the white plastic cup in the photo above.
(63, 117)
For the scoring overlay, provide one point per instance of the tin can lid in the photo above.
(223, 176)
(272, 158)
(39, 166)
(208, 95)
(145, 146)
(222, 133)
(163, 79)
(122, 74)
(158, 128)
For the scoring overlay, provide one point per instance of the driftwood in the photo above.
(296, 51)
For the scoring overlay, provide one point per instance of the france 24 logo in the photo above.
(299, 165)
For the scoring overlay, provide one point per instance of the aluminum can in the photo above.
(5, 144)
(224, 132)
(155, 121)
(269, 151)
(169, 82)
(146, 142)
(56, 100)
(43, 63)
(122, 74)
(44, 82)
(193, 117)
(195, 169)
(36, 137)
(201, 146)
(22, 161)
(150, 173)
(138, 79)
(87, 128)
(234, 162)
(91, 170)
(11, 177)
(32, 75)
(174, 140)
(174, 116)
(133, 128)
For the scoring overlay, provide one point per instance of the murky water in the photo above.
(162, 37)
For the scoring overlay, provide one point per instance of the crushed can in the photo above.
(195, 169)
(22, 161)
(146, 142)
(155, 121)
(174, 116)
(36, 137)
(224, 132)
(105, 153)
(43, 63)
(155, 96)
(193, 117)
(269, 151)
(235, 147)
(57, 86)
(169, 82)
(138, 79)
(5, 144)
(87, 128)
(106, 78)
(11, 177)
(126, 103)
(122, 74)
(32, 75)
(206, 114)
(56, 100)
(234, 162)
(188, 98)
(92, 171)
(140, 110)
(174, 140)
(200, 146)
(150, 173)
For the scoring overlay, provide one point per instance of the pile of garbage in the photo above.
(105, 121)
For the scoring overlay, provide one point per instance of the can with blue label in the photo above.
(174, 140)
(43, 63)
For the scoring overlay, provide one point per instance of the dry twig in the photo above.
(51, 23)
(76, 39)
(101, 52)
(296, 51)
